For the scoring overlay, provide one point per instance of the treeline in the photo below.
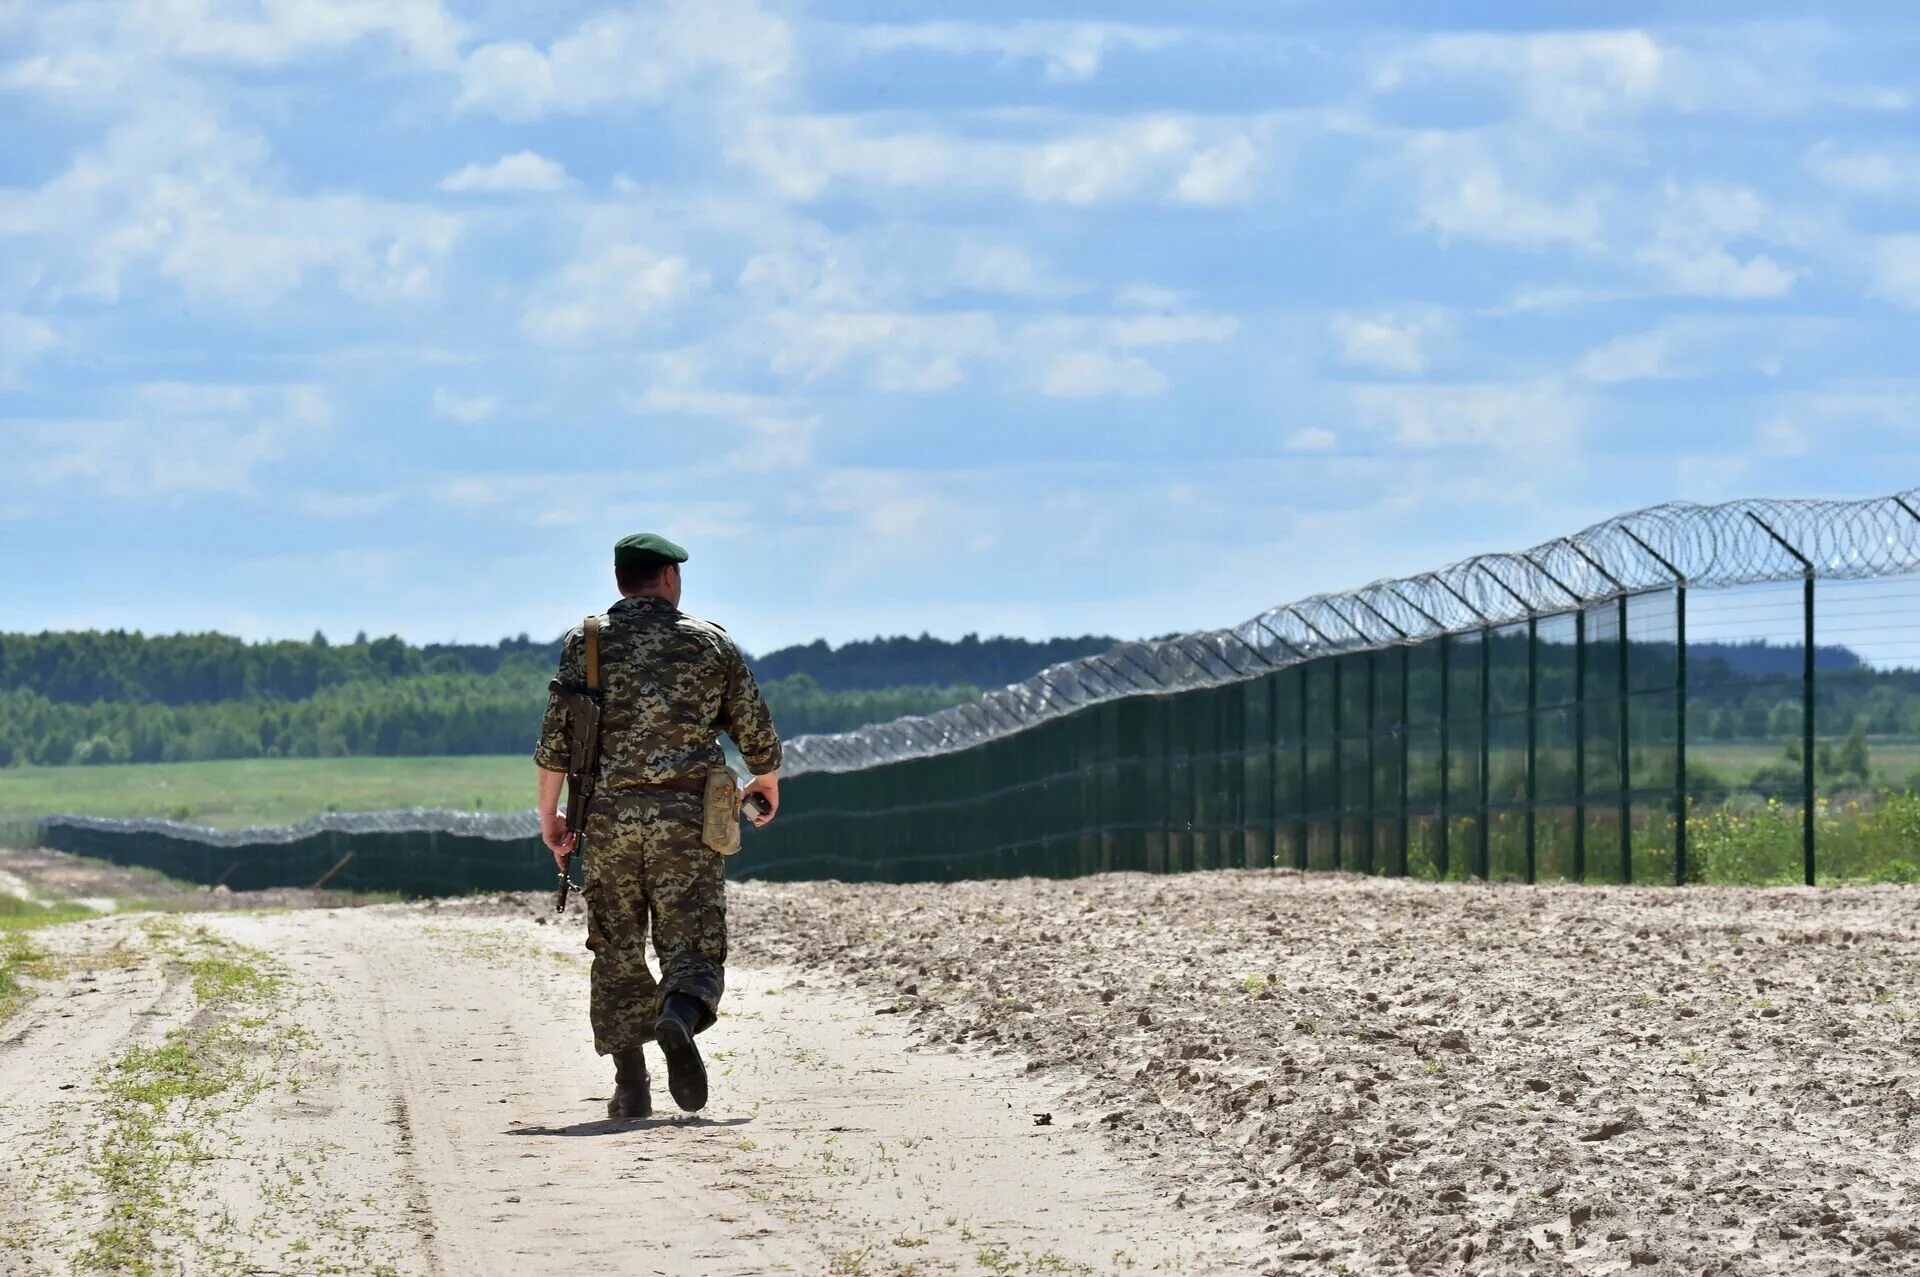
(91, 666)
(926, 661)
(433, 714)
(87, 667)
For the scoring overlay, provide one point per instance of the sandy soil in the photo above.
(415, 1094)
(1396, 1077)
(1245, 1072)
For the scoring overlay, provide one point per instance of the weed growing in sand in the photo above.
(177, 1081)
(908, 1242)
(849, 1263)
(18, 956)
(1254, 984)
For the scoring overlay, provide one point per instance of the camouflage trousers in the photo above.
(647, 870)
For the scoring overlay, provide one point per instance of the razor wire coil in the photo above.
(1699, 546)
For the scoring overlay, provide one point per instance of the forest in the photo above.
(119, 697)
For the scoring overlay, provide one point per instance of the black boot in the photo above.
(631, 1098)
(686, 1073)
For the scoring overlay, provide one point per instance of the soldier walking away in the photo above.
(668, 685)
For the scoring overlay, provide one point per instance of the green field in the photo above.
(231, 795)
(1895, 762)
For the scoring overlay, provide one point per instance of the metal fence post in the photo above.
(1306, 825)
(1485, 847)
(1446, 756)
(1373, 798)
(1405, 733)
(1808, 778)
(1533, 739)
(1680, 804)
(1339, 757)
(1626, 748)
(1580, 745)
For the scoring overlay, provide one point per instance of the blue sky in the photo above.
(394, 314)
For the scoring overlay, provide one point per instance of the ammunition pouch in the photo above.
(720, 820)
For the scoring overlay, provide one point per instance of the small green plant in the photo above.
(849, 1263)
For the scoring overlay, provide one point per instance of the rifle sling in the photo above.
(592, 627)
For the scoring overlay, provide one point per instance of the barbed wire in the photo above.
(1702, 546)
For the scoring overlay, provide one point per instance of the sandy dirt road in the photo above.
(399, 1090)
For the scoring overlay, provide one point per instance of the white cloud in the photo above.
(521, 171)
(822, 276)
(1168, 330)
(1506, 416)
(1465, 192)
(608, 295)
(93, 50)
(1699, 346)
(641, 53)
(1875, 173)
(1566, 79)
(1637, 357)
(1097, 167)
(1699, 235)
(1007, 270)
(1070, 51)
(1712, 271)
(777, 437)
(1150, 297)
(469, 409)
(272, 32)
(1391, 343)
(1220, 174)
(1782, 438)
(24, 339)
(1896, 264)
(175, 442)
(1313, 439)
(900, 352)
(1089, 374)
(1593, 80)
(1168, 158)
(178, 194)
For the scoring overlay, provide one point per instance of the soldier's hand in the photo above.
(768, 787)
(559, 839)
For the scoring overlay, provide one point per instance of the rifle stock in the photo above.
(582, 706)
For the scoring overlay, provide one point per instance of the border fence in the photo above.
(1673, 695)
(1688, 693)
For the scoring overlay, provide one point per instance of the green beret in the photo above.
(645, 549)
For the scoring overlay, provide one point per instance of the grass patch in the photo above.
(18, 956)
(22, 915)
(266, 791)
(155, 1097)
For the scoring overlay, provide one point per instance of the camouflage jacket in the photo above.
(672, 685)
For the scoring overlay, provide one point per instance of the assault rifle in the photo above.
(582, 706)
